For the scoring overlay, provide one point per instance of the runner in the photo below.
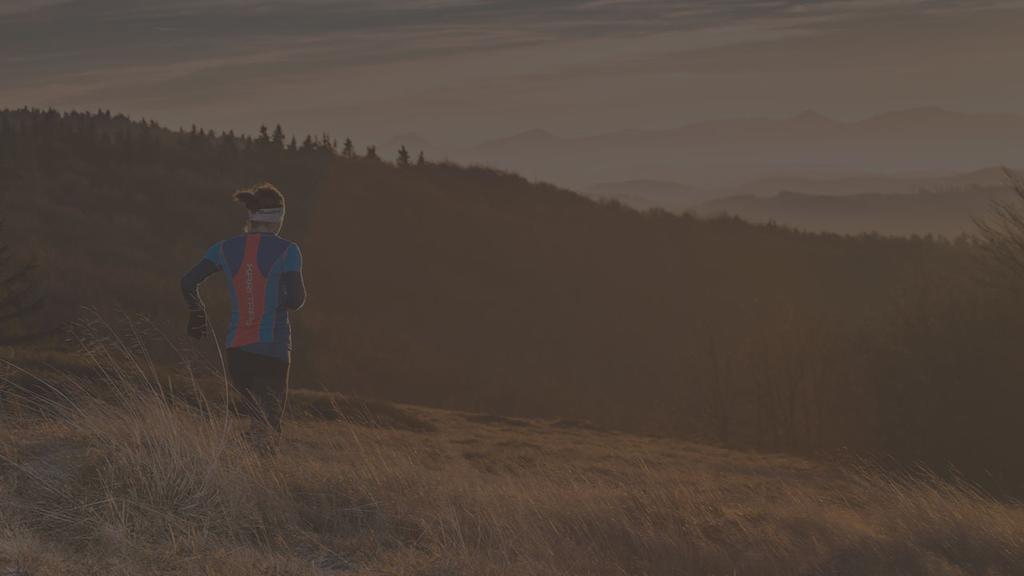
(264, 273)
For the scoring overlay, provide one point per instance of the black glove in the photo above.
(197, 323)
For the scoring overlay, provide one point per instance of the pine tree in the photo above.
(420, 160)
(308, 145)
(264, 137)
(325, 143)
(293, 145)
(349, 150)
(403, 157)
(278, 138)
(371, 153)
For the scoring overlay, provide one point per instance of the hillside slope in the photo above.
(147, 487)
(472, 289)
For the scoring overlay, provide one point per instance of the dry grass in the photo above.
(139, 484)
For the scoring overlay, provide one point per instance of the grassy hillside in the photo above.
(470, 289)
(139, 484)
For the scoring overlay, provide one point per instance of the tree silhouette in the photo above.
(278, 137)
(307, 144)
(371, 153)
(264, 137)
(348, 151)
(326, 144)
(420, 161)
(403, 157)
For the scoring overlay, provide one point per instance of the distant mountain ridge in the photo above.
(945, 206)
(942, 211)
(856, 185)
(924, 122)
(649, 194)
(729, 152)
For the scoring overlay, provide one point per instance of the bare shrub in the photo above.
(1002, 233)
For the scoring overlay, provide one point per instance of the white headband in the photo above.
(272, 215)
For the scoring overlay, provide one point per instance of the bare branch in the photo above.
(1002, 234)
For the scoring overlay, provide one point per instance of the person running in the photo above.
(264, 274)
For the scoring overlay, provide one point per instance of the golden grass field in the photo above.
(138, 484)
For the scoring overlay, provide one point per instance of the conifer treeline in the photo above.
(142, 139)
(470, 288)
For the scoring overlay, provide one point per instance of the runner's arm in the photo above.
(294, 287)
(192, 279)
(294, 290)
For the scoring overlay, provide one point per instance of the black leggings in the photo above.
(262, 382)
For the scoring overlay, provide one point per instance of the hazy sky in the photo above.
(461, 71)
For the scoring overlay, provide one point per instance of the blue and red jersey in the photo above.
(264, 274)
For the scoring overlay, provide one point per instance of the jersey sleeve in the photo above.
(211, 262)
(215, 255)
(292, 259)
(294, 287)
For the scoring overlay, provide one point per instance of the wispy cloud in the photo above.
(439, 61)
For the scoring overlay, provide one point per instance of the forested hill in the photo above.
(465, 287)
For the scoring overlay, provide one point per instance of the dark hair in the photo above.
(260, 197)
